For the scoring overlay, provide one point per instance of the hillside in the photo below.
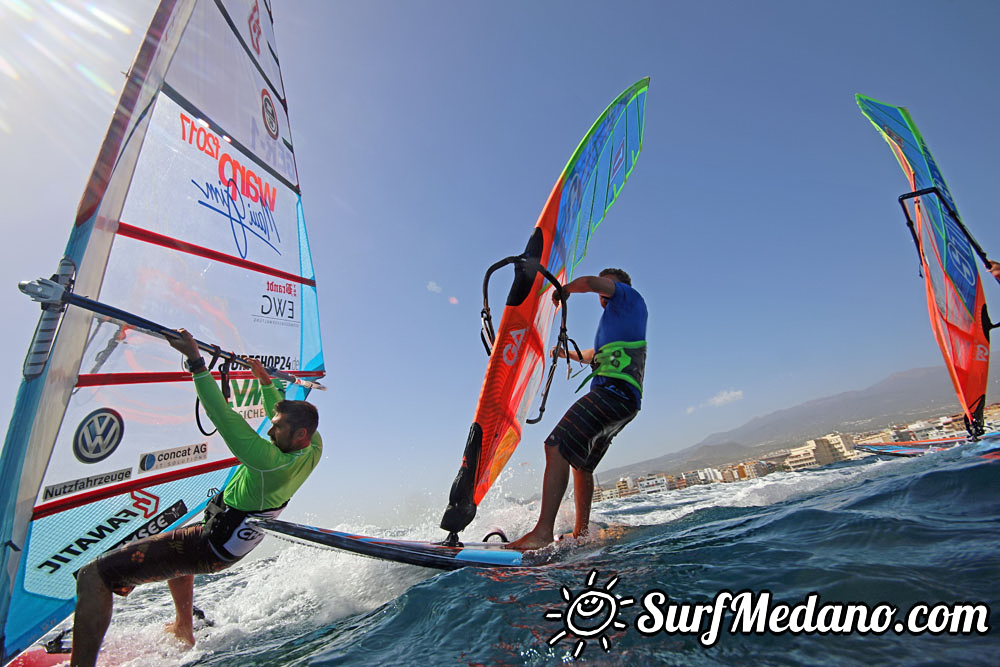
(901, 398)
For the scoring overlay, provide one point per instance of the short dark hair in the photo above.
(619, 274)
(299, 414)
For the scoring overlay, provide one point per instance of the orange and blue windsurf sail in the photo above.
(586, 189)
(955, 299)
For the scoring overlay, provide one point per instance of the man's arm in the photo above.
(588, 355)
(995, 269)
(602, 286)
(272, 391)
(239, 436)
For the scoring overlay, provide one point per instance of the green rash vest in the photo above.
(267, 476)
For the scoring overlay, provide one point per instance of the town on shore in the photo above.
(829, 449)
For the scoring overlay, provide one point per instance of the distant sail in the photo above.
(955, 299)
(192, 217)
(586, 189)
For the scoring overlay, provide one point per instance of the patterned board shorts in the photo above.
(165, 556)
(584, 433)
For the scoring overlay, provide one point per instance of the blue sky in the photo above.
(760, 223)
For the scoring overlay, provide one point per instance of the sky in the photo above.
(760, 223)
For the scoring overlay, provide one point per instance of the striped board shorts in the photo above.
(584, 433)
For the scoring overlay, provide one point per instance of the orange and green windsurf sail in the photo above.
(955, 300)
(586, 189)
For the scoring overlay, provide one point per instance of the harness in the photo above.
(620, 360)
(225, 530)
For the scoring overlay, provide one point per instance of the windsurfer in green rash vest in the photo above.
(270, 472)
(583, 435)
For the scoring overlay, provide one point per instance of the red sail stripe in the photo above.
(147, 236)
(106, 379)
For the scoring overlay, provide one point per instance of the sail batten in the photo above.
(148, 236)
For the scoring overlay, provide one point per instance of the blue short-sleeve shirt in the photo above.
(624, 320)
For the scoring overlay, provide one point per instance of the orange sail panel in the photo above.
(586, 189)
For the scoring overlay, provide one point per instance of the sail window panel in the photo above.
(191, 186)
(960, 262)
(602, 196)
(311, 350)
(960, 351)
(562, 238)
(618, 145)
(50, 560)
(640, 113)
(543, 323)
(63, 541)
(156, 434)
(115, 348)
(529, 378)
(633, 132)
(253, 25)
(212, 76)
(956, 312)
(305, 254)
(237, 308)
(933, 266)
(583, 223)
(150, 418)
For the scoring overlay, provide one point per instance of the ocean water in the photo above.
(896, 532)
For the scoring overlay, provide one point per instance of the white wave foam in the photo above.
(668, 506)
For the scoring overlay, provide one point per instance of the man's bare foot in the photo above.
(184, 633)
(530, 542)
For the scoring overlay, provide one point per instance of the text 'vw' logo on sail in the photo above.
(98, 435)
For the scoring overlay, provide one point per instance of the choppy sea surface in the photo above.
(899, 533)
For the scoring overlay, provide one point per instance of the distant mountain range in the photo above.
(901, 398)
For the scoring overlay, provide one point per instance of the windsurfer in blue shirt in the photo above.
(580, 440)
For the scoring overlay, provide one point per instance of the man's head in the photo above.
(293, 425)
(618, 275)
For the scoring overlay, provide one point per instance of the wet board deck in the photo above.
(425, 554)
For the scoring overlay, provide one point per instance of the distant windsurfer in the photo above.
(582, 437)
(271, 471)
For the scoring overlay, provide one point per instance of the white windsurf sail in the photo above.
(192, 217)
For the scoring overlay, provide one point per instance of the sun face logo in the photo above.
(589, 614)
